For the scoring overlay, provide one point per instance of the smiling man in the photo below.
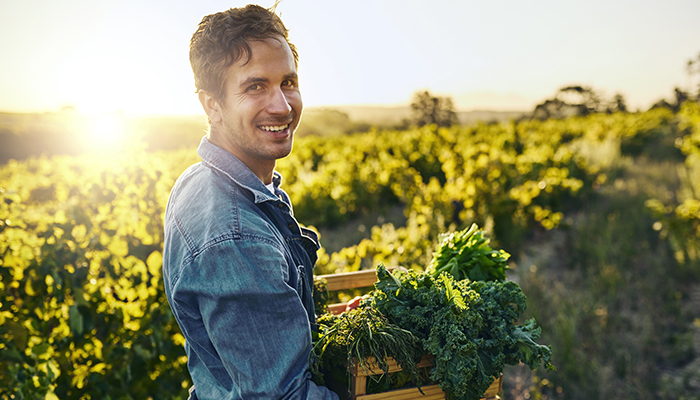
(237, 267)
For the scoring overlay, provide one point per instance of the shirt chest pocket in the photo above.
(295, 275)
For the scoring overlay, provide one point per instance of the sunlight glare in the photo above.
(106, 133)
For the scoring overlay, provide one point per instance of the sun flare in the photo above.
(106, 133)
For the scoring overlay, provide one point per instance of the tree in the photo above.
(581, 95)
(428, 109)
(618, 104)
(568, 102)
(680, 98)
(693, 69)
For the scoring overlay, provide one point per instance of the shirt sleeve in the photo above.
(245, 323)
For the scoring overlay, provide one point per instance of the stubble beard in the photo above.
(267, 150)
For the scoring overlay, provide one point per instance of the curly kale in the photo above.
(527, 350)
(467, 255)
(469, 326)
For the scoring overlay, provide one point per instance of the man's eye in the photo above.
(289, 83)
(254, 87)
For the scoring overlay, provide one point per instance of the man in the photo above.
(237, 267)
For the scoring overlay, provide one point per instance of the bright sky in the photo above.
(132, 55)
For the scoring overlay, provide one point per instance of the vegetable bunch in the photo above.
(469, 326)
(461, 310)
(362, 335)
(467, 255)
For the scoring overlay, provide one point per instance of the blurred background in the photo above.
(570, 131)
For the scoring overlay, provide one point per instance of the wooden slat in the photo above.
(432, 392)
(359, 386)
(371, 367)
(351, 280)
(495, 388)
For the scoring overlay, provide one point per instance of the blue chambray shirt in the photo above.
(238, 274)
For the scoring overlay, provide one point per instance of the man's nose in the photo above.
(279, 104)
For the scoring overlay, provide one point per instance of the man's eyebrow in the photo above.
(253, 79)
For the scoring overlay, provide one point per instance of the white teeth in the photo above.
(274, 128)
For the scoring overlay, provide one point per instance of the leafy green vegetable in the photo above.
(461, 310)
(321, 296)
(469, 326)
(528, 351)
(358, 336)
(467, 255)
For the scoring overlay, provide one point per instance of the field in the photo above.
(601, 215)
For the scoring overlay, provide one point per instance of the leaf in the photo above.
(40, 349)
(53, 370)
(50, 395)
(154, 263)
(11, 354)
(75, 320)
(454, 296)
(386, 281)
(467, 255)
(19, 334)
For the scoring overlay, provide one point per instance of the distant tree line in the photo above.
(569, 101)
(577, 101)
(583, 100)
(428, 109)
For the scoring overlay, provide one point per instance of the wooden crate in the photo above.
(348, 280)
(359, 375)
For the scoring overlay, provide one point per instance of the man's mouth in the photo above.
(274, 128)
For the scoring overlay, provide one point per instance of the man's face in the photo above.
(262, 107)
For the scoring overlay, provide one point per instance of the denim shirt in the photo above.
(238, 274)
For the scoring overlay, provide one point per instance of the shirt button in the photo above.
(291, 226)
(280, 204)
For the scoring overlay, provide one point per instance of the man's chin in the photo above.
(282, 151)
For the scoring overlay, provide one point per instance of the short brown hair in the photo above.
(222, 39)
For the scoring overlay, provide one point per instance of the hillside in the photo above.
(393, 115)
(31, 134)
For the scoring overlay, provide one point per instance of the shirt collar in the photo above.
(228, 164)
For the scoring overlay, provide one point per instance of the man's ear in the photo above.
(211, 106)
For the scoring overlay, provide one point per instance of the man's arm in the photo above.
(245, 323)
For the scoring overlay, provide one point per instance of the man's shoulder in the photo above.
(200, 185)
(208, 207)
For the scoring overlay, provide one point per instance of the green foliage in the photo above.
(469, 326)
(467, 255)
(679, 219)
(82, 309)
(513, 178)
(362, 337)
